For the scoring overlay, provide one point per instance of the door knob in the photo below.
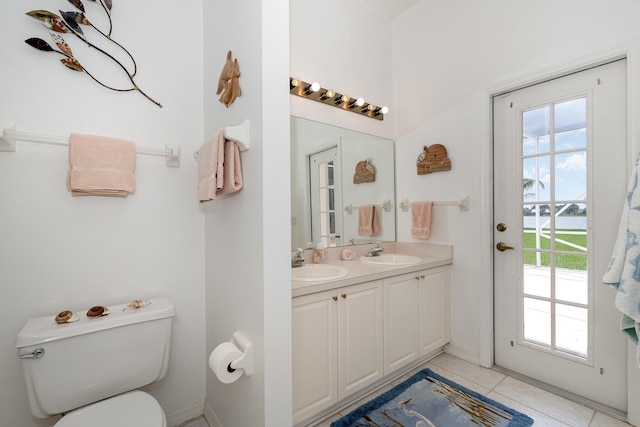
(501, 246)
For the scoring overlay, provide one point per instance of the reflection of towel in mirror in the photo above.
(623, 272)
(232, 169)
(100, 166)
(367, 221)
(210, 167)
(421, 219)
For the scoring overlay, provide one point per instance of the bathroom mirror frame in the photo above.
(309, 138)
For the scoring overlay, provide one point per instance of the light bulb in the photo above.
(313, 87)
(327, 94)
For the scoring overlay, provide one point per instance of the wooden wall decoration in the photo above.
(433, 159)
(364, 172)
(228, 84)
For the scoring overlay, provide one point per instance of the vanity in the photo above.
(368, 322)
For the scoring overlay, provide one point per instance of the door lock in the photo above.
(501, 246)
(501, 227)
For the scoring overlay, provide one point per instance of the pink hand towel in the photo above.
(367, 221)
(421, 219)
(232, 169)
(100, 166)
(211, 167)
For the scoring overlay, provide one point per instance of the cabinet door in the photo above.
(360, 337)
(400, 321)
(434, 308)
(314, 338)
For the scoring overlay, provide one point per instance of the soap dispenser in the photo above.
(319, 254)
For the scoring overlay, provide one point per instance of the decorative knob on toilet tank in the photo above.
(230, 360)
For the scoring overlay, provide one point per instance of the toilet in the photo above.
(90, 370)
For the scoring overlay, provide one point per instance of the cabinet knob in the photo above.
(335, 298)
(344, 296)
(422, 276)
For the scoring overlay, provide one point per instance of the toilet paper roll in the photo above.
(220, 360)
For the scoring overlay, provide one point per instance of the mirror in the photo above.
(325, 200)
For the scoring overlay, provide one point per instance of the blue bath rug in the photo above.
(429, 400)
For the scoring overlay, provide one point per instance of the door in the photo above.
(314, 323)
(359, 337)
(401, 324)
(434, 309)
(326, 196)
(560, 159)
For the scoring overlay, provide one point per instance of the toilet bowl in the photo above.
(90, 369)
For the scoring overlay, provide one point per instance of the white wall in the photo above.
(345, 46)
(459, 52)
(248, 282)
(61, 252)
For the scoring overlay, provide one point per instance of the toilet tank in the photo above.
(94, 358)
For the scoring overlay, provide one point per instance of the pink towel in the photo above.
(367, 221)
(421, 219)
(100, 166)
(232, 169)
(210, 167)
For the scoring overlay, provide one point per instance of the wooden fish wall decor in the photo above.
(364, 172)
(433, 159)
(228, 86)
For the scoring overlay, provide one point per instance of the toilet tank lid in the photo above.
(41, 330)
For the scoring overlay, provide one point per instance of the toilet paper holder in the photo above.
(244, 362)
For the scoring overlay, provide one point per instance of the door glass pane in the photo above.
(535, 178)
(536, 279)
(570, 124)
(571, 279)
(535, 131)
(571, 329)
(537, 321)
(571, 176)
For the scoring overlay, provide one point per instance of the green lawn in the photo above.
(573, 262)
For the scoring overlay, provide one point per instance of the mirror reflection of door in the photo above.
(326, 197)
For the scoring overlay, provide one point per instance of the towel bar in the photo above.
(462, 202)
(238, 134)
(9, 136)
(386, 206)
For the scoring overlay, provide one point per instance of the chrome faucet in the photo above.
(298, 258)
(375, 251)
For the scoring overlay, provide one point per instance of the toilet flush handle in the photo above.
(35, 354)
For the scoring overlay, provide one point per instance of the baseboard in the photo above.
(189, 413)
(462, 354)
(210, 416)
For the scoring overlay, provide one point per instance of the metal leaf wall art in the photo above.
(71, 23)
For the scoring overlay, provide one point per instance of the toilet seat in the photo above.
(135, 408)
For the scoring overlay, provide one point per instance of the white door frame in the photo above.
(632, 52)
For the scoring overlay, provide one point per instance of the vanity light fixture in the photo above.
(315, 92)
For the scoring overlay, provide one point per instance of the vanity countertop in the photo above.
(433, 255)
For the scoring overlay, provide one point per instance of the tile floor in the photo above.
(546, 409)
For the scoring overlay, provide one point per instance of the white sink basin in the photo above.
(317, 272)
(391, 259)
